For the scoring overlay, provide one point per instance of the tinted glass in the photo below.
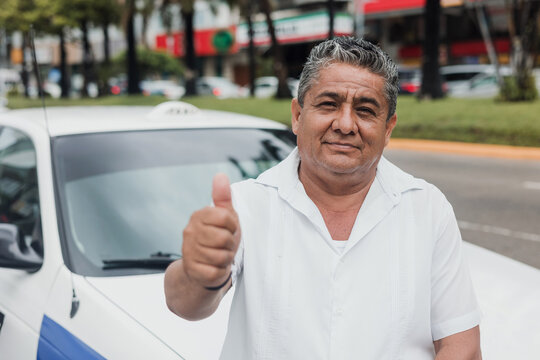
(128, 195)
(19, 195)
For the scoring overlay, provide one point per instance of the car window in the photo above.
(128, 195)
(19, 194)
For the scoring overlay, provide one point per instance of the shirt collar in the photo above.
(393, 180)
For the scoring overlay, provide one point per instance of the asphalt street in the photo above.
(496, 201)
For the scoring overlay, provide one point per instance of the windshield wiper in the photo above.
(159, 260)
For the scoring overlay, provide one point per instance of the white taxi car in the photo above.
(92, 206)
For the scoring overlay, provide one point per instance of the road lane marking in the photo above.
(465, 225)
(534, 185)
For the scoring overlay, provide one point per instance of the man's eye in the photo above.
(328, 104)
(365, 111)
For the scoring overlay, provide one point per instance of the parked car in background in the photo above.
(456, 76)
(482, 85)
(168, 88)
(410, 80)
(219, 87)
(94, 200)
(266, 86)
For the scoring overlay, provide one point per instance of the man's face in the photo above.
(342, 128)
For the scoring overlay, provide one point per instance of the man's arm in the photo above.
(187, 298)
(464, 345)
(211, 240)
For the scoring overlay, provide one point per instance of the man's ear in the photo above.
(296, 110)
(390, 124)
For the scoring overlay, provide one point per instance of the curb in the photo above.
(485, 150)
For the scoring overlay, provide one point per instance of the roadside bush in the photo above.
(150, 63)
(512, 90)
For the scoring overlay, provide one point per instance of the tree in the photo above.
(523, 31)
(20, 15)
(431, 80)
(280, 66)
(131, 59)
(331, 8)
(60, 20)
(187, 8)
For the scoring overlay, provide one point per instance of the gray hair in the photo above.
(356, 52)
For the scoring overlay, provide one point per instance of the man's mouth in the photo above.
(339, 145)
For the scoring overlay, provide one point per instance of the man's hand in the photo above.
(211, 238)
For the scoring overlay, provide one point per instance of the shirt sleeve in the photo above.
(454, 307)
(238, 262)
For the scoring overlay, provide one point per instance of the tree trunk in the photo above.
(64, 78)
(189, 53)
(131, 58)
(251, 49)
(87, 61)
(106, 44)
(330, 6)
(280, 67)
(24, 70)
(431, 80)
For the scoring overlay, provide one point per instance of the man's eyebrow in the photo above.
(330, 94)
(340, 97)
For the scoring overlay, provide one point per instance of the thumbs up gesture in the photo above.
(211, 238)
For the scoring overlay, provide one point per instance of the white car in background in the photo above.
(457, 76)
(219, 87)
(266, 86)
(93, 203)
(168, 88)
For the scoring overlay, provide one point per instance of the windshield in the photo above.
(128, 195)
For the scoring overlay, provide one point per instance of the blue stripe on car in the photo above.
(56, 343)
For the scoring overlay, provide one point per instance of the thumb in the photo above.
(221, 191)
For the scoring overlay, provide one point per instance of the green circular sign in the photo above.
(223, 40)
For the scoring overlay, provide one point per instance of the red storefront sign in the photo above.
(380, 6)
(207, 42)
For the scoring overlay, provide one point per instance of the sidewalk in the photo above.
(487, 150)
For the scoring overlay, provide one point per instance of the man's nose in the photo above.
(345, 121)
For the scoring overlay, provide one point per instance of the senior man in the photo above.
(335, 253)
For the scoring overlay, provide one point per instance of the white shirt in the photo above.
(399, 284)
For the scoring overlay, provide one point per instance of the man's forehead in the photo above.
(342, 78)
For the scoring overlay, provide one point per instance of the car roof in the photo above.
(167, 115)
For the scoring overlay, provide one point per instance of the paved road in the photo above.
(496, 201)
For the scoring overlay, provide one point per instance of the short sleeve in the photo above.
(454, 307)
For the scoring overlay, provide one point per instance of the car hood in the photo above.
(508, 294)
(142, 297)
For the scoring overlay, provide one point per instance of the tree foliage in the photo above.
(150, 64)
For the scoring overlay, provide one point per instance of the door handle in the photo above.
(1, 320)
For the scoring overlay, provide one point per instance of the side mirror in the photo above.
(14, 253)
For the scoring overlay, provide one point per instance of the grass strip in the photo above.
(465, 120)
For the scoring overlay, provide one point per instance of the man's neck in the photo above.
(336, 192)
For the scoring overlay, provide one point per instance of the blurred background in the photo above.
(234, 48)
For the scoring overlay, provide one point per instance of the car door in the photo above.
(23, 294)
